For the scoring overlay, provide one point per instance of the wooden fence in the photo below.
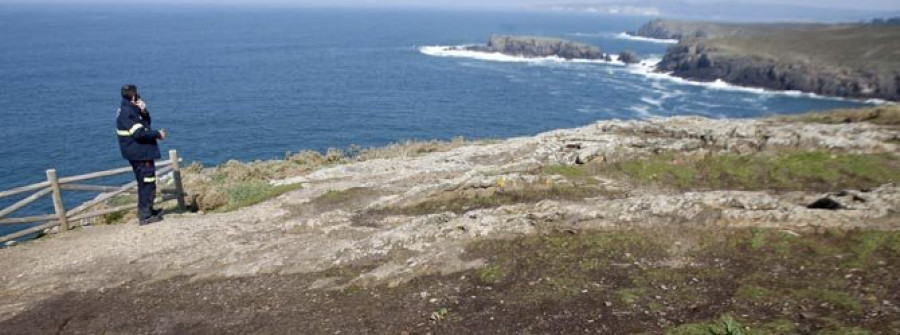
(55, 185)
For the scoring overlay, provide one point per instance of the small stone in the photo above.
(607, 303)
(10, 243)
(808, 315)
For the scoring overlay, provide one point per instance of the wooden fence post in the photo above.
(57, 201)
(176, 177)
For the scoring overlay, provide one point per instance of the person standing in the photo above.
(138, 143)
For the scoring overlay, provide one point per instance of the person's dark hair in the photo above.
(129, 92)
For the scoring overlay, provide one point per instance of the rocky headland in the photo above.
(539, 47)
(782, 225)
(847, 60)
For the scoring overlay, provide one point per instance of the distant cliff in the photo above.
(853, 61)
(683, 30)
(533, 47)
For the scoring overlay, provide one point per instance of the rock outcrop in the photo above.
(845, 60)
(699, 61)
(536, 47)
(629, 57)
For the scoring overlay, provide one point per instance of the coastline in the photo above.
(842, 60)
(646, 67)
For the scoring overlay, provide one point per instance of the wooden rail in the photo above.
(55, 185)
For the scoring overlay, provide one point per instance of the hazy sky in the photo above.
(886, 5)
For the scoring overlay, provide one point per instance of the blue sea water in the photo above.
(246, 84)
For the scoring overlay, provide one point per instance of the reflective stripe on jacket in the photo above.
(137, 140)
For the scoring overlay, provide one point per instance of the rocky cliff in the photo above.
(534, 47)
(699, 61)
(853, 61)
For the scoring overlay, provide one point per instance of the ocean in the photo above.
(254, 83)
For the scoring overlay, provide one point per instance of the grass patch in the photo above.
(881, 115)
(121, 216)
(560, 265)
(838, 299)
(782, 171)
(630, 296)
(253, 192)
(754, 293)
(764, 276)
(335, 196)
(461, 203)
(725, 325)
(568, 171)
(208, 188)
(491, 274)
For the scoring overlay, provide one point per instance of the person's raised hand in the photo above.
(163, 134)
(141, 104)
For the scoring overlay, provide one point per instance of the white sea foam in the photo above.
(626, 36)
(461, 52)
(642, 111)
(590, 34)
(651, 101)
(707, 104)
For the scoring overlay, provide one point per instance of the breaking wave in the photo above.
(460, 51)
(626, 36)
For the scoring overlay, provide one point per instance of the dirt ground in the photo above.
(679, 281)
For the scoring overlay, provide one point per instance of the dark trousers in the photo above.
(145, 173)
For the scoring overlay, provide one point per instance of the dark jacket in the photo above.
(137, 139)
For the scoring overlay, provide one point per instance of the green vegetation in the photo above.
(118, 217)
(210, 188)
(490, 274)
(726, 325)
(764, 276)
(850, 46)
(786, 171)
(881, 115)
(568, 171)
(490, 198)
(249, 193)
(529, 194)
